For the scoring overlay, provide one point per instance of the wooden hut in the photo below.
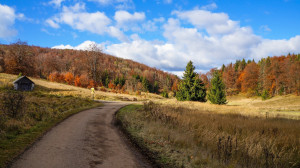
(24, 84)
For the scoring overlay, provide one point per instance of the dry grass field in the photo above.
(246, 132)
(278, 107)
(190, 137)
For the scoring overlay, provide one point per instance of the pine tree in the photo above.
(243, 64)
(191, 88)
(198, 91)
(145, 84)
(217, 94)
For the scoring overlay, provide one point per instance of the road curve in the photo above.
(87, 139)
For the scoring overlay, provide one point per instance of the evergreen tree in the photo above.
(155, 87)
(243, 64)
(236, 65)
(198, 91)
(145, 84)
(217, 94)
(191, 88)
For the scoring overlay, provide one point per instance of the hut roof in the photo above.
(23, 78)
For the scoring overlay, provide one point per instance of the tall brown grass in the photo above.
(210, 139)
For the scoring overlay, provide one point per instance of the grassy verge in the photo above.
(130, 120)
(184, 137)
(37, 113)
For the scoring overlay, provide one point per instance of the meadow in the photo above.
(248, 132)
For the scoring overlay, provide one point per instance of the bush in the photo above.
(265, 95)
(165, 94)
(12, 104)
(2, 122)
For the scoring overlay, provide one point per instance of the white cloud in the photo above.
(83, 46)
(223, 44)
(77, 17)
(208, 39)
(213, 23)
(265, 28)
(151, 25)
(7, 21)
(115, 32)
(128, 21)
(56, 3)
(118, 4)
(210, 6)
(52, 23)
(123, 17)
(276, 47)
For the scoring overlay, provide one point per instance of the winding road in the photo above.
(87, 139)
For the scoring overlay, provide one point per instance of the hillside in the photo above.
(83, 68)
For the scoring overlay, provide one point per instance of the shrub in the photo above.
(12, 104)
(265, 95)
(2, 122)
(165, 94)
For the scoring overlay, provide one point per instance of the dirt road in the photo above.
(87, 139)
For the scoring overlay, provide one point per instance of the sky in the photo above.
(165, 34)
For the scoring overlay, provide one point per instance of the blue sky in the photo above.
(160, 33)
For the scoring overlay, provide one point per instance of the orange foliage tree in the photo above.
(77, 81)
(249, 77)
(69, 78)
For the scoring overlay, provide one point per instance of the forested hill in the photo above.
(83, 68)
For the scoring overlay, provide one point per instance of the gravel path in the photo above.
(87, 139)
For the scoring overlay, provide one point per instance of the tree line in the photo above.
(269, 77)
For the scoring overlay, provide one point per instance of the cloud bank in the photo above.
(207, 38)
(7, 21)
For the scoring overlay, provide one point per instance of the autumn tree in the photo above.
(84, 80)
(93, 56)
(20, 59)
(229, 78)
(69, 78)
(77, 81)
(249, 77)
(2, 63)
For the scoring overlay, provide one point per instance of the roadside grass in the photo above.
(185, 137)
(41, 110)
